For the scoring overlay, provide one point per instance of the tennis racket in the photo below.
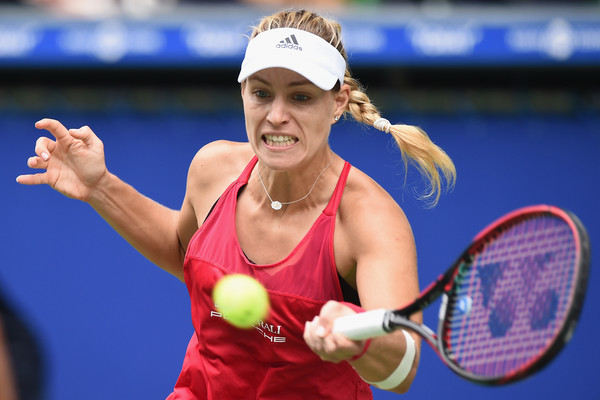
(509, 303)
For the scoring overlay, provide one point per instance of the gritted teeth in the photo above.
(279, 140)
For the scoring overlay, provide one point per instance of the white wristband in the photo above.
(404, 368)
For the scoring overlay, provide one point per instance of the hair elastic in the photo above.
(400, 373)
(382, 124)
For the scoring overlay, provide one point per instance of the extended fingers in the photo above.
(44, 146)
(38, 162)
(58, 130)
(33, 179)
(53, 126)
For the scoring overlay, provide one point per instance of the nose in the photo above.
(278, 113)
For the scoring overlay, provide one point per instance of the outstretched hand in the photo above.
(73, 162)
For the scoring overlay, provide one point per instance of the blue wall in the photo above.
(114, 326)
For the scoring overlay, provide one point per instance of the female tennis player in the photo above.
(322, 237)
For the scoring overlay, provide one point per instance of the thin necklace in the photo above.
(276, 205)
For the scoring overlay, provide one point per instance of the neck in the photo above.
(286, 188)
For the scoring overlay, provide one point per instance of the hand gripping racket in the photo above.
(509, 303)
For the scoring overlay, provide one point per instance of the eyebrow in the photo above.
(293, 84)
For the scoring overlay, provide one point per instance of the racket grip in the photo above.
(363, 325)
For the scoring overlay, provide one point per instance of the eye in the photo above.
(300, 97)
(261, 93)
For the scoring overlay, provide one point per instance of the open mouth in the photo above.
(279, 140)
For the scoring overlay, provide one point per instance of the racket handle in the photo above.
(363, 325)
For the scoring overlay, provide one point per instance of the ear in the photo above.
(341, 98)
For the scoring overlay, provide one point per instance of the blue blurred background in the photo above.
(510, 89)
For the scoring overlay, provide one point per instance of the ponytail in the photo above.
(414, 144)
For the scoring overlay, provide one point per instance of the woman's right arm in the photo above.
(74, 165)
(148, 226)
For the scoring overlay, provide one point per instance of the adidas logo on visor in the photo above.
(289, 42)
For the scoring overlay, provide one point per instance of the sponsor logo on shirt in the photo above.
(270, 332)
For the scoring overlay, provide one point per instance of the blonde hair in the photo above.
(414, 144)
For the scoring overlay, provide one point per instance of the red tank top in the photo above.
(271, 360)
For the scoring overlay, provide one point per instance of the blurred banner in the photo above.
(374, 36)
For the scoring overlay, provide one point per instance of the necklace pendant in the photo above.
(276, 205)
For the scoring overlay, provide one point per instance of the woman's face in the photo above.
(288, 118)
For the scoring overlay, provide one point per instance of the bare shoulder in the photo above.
(371, 230)
(214, 167)
(365, 200)
(218, 161)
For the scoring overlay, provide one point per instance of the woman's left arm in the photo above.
(378, 245)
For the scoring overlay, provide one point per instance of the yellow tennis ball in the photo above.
(241, 299)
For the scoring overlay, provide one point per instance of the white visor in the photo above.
(296, 50)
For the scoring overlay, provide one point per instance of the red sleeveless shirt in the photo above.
(271, 360)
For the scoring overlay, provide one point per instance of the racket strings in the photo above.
(509, 306)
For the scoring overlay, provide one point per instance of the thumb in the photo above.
(85, 134)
